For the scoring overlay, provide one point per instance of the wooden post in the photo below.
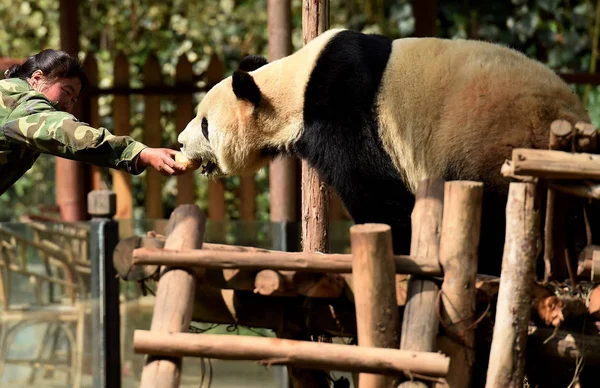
(184, 75)
(153, 137)
(71, 193)
(121, 112)
(216, 187)
(373, 276)
(420, 322)
(509, 341)
(459, 255)
(561, 136)
(174, 303)
(315, 198)
(90, 113)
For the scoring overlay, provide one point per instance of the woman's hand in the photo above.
(162, 160)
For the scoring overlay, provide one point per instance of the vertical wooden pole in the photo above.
(184, 75)
(373, 276)
(459, 246)
(175, 295)
(216, 187)
(152, 137)
(509, 341)
(70, 175)
(283, 172)
(420, 322)
(121, 111)
(248, 198)
(91, 114)
(315, 196)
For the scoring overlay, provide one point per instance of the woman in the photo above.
(36, 99)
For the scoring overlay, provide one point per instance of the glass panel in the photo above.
(45, 305)
(48, 320)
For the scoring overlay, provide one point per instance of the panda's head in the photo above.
(238, 129)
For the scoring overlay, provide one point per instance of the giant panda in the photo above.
(376, 116)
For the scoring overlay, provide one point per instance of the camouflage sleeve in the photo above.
(37, 125)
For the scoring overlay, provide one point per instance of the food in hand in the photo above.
(189, 165)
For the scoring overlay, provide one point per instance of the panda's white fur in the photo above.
(375, 117)
(233, 143)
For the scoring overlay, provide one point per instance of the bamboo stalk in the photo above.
(509, 342)
(282, 261)
(377, 319)
(306, 354)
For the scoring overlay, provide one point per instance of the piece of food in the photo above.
(189, 165)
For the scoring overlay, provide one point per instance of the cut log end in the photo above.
(561, 128)
(370, 228)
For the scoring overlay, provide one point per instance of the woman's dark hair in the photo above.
(53, 63)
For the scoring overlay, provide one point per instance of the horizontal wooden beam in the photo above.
(283, 261)
(276, 351)
(549, 164)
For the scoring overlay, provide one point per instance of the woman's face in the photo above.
(63, 91)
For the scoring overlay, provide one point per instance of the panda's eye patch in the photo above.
(205, 127)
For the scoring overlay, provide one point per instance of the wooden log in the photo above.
(335, 317)
(275, 260)
(220, 274)
(306, 354)
(561, 135)
(174, 302)
(123, 258)
(586, 137)
(420, 322)
(509, 341)
(459, 246)
(551, 164)
(269, 282)
(377, 320)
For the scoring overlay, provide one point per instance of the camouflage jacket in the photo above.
(30, 124)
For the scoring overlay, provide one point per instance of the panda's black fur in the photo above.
(355, 164)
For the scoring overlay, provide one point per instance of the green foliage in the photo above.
(557, 32)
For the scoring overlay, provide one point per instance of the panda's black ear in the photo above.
(252, 62)
(245, 88)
